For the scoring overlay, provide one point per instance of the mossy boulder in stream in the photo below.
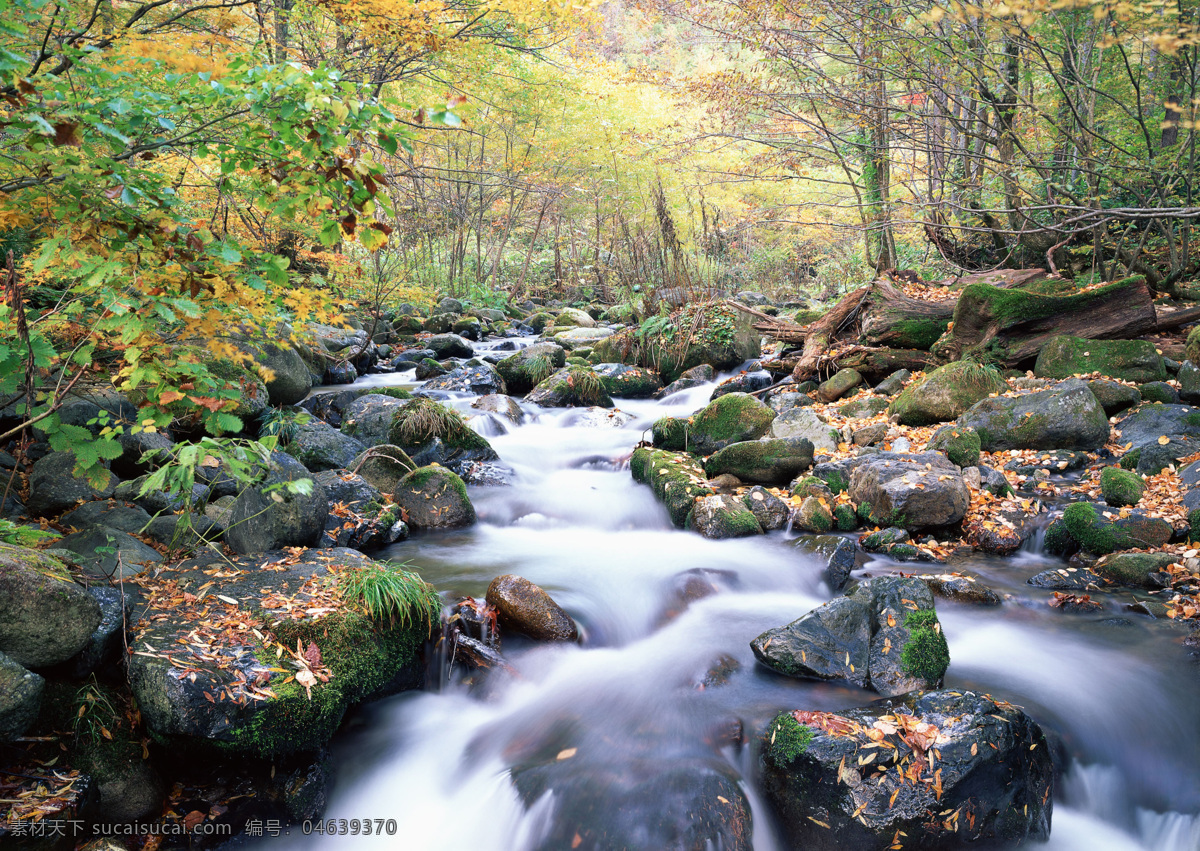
(676, 478)
(1101, 530)
(434, 433)
(1121, 487)
(434, 498)
(1130, 360)
(723, 516)
(286, 509)
(728, 419)
(946, 393)
(530, 366)
(45, 617)
(575, 386)
(958, 443)
(771, 461)
(1065, 416)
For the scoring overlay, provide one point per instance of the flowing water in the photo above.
(1117, 691)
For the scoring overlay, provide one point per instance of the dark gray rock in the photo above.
(106, 644)
(45, 617)
(1066, 579)
(1066, 416)
(126, 518)
(693, 377)
(1114, 396)
(53, 486)
(263, 520)
(913, 491)
(832, 642)
(482, 380)
(20, 698)
(770, 511)
(349, 489)
(434, 498)
(450, 346)
(319, 446)
(369, 418)
(108, 553)
(838, 554)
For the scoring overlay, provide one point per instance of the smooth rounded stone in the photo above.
(382, 467)
(804, 423)
(995, 763)
(812, 486)
(693, 377)
(526, 608)
(838, 554)
(1066, 579)
(429, 368)
(349, 489)
(1066, 416)
(434, 498)
(732, 418)
(813, 515)
(1159, 391)
(1101, 530)
(448, 305)
(596, 417)
(946, 393)
(482, 380)
(864, 407)
(723, 516)
(439, 323)
(605, 801)
(572, 386)
(107, 642)
(961, 589)
(869, 435)
(1136, 570)
(893, 385)
(786, 401)
(105, 552)
(129, 791)
(772, 461)
(751, 298)
(960, 444)
(914, 491)
(126, 518)
(1189, 382)
(770, 511)
(469, 328)
(53, 486)
(261, 521)
(628, 382)
(838, 385)
(291, 380)
(884, 539)
(141, 453)
(1114, 396)
(501, 406)
(449, 346)
(1121, 487)
(1130, 360)
(582, 336)
(573, 317)
(45, 618)
(368, 419)
(319, 446)
(832, 642)
(20, 698)
(744, 382)
(409, 358)
(339, 373)
(530, 366)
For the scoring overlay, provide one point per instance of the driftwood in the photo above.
(1010, 326)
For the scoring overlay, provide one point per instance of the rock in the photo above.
(1121, 487)
(733, 418)
(1101, 531)
(893, 385)
(1145, 424)
(1159, 391)
(744, 382)
(107, 513)
(319, 446)
(908, 650)
(1113, 396)
(788, 399)
(45, 618)
(469, 328)
(350, 489)
(961, 589)
(869, 435)
(723, 516)
(807, 424)
(429, 368)
(832, 642)
(448, 305)
(435, 498)
(995, 764)
(53, 486)
(946, 393)
(676, 479)
(913, 491)
(382, 467)
(604, 801)
(501, 406)
(368, 419)
(772, 461)
(1067, 416)
(575, 386)
(262, 520)
(449, 346)
(628, 382)
(838, 385)
(864, 407)
(20, 698)
(107, 642)
(104, 552)
(573, 317)
(482, 380)
(1130, 360)
(770, 511)
(582, 336)
(434, 433)
(884, 540)
(291, 380)
(601, 418)
(693, 377)
(813, 515)
(364, 657)
(525, 608)
(838, 554)
(439, 323)
(1066, 579)
(141, 453)
(1136, 570)
(529, 367)
(339, 373)
(960, 444)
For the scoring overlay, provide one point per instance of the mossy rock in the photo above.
(422, 421)
(1101, 536)
(813, 515)
(960, 444)
(676, 479)
(946, 393)
(728, 419)
(1159, 391)
(722, 516)
(811, 486)
(845, 518)
(772, 461)
(1113, 396)
(527, 368)
(1134, 570)
(576, 386)
(785, 740)
(435, 498)
(1058, 540)
(1121, 487)
(670, 433)
(1192, 347)
(1130, 360)
(1064, 416)
(628, 382)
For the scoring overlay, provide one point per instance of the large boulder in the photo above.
(1065, 416)
(526, 608)
(434, 433)
(832, 642)
(770, 511)
(319, 446)
(803, 423)
(628, 382)
(449, 346)
(1145, 428)
(837, 554)
(20, 698)
(291, 378)
(434, 498)
(45, 617)
(771, 461)
(729, 419)
(574, 386)
(530, 366)
(676, 479)
(1101, 530)
(1132, 360)
(271, 515)
(693, 377)
(368, 419)
(104, 552)
(575, 337)
(723, 516)
(53, 486)
(481, 380)
(946, 393)
(943, 769)
(913, 491)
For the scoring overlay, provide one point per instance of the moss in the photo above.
(1192, 419)
(837, 480)
(925, 655)
(1121, 487)
(961, 444)
(844, 518)
(1158, 391)
(1091, 531)
(903, 552)
(737, 522)
(946, 393)
(675, 478)
(917, 333)
(810, 486)
(1133, 360)
(1194, 525)
(1130, 459)
(1009, 306)
(1058, 540)
(394, 392)
(419, 478)
(423, 419)
(787, 738)
(731, 418)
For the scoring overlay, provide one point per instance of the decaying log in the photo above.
(1169, 320)
(825, 330)
(892, 319)
(1008, 326)
(873, 363)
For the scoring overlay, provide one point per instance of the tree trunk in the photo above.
(891, 318)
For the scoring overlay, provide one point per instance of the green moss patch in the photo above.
(786, 739)
(926, 655)
(1121, 487)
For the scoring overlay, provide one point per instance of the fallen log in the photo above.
(1007, 326)
(890, 318)
(874, 363)
(825, 330)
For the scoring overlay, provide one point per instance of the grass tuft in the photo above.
(423, 419)
(387, 591)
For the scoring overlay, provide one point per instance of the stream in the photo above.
(1115, 690)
